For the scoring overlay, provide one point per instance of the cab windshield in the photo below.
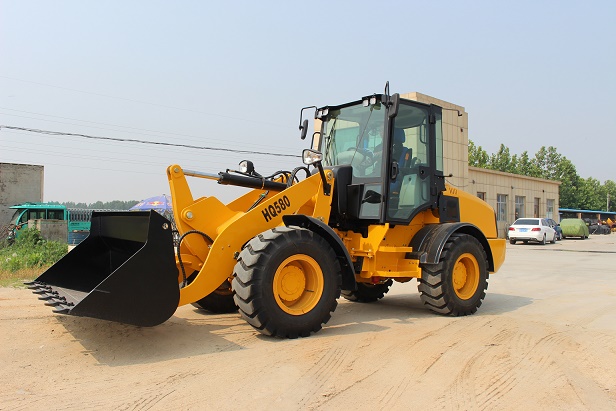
(354, 136)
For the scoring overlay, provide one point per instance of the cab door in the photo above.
(412, 184)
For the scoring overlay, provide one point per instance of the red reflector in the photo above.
(536, 229)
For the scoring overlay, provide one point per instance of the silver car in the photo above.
(531, 229)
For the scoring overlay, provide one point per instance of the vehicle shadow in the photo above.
(195, 332)
(406, 309)
(116, 344)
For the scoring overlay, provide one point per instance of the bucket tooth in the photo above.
(42, 290)
(55, 301)
(49, 296)
(61, 309)
(31, 283)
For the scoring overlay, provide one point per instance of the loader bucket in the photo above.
(124, 271)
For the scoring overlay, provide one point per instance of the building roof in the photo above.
(521, 176)
(573, 210)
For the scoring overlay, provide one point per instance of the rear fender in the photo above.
(325, 231)
(429, 242)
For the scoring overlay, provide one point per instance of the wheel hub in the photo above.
(465, 276)
(298, 284)
(292, 283)
(459, 276)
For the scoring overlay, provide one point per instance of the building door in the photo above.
(536, 207)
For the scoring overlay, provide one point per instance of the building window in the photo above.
(481, 195)
(519, 207)
(549, 212)
(501, 207)
(536, 208)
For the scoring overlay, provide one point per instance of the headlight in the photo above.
(247, 167)
(311, 156)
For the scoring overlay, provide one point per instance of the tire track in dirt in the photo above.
(318, 381)
(518, 369)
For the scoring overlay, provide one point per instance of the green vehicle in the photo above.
(78, 219)
(574, 227)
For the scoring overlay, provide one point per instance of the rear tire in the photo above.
(457, 284)
(220, 301)
(368, 293)
(511, 241)
(286, 282)
(543, 241)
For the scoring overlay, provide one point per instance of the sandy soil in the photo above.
(545, 338)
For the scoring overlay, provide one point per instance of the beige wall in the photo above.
(493, 183)
(455, 137)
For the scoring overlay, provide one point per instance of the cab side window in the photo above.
(410, 151)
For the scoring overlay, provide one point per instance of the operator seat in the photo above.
(402, 155)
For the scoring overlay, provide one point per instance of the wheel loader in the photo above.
(370, 206)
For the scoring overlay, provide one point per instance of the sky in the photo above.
(235, 74)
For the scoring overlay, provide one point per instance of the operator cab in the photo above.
(387, 156)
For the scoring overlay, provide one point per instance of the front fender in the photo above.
(325, 231)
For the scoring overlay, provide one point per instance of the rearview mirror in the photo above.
(304, 129)
(394, 104)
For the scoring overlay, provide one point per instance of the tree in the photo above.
(100, 205)
(608, 190)
(570, 184)
(502, 160)
(477, 156)
(547, 161)
(526, 167)
(589, 196)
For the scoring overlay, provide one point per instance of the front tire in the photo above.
(368, 293)
(286, 282)
(457, 284)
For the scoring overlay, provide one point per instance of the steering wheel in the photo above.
(357, 157)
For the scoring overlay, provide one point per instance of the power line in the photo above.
(129, 140)
(148, 131)
(158, 159)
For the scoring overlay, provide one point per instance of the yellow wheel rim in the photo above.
(466, 276)
(298, 284)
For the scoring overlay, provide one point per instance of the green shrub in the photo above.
(30, 250)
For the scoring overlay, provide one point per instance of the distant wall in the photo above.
(53, 230)
(19, 183)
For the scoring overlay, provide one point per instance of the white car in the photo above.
(531, 229)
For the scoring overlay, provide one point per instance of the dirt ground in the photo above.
(545, 338)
